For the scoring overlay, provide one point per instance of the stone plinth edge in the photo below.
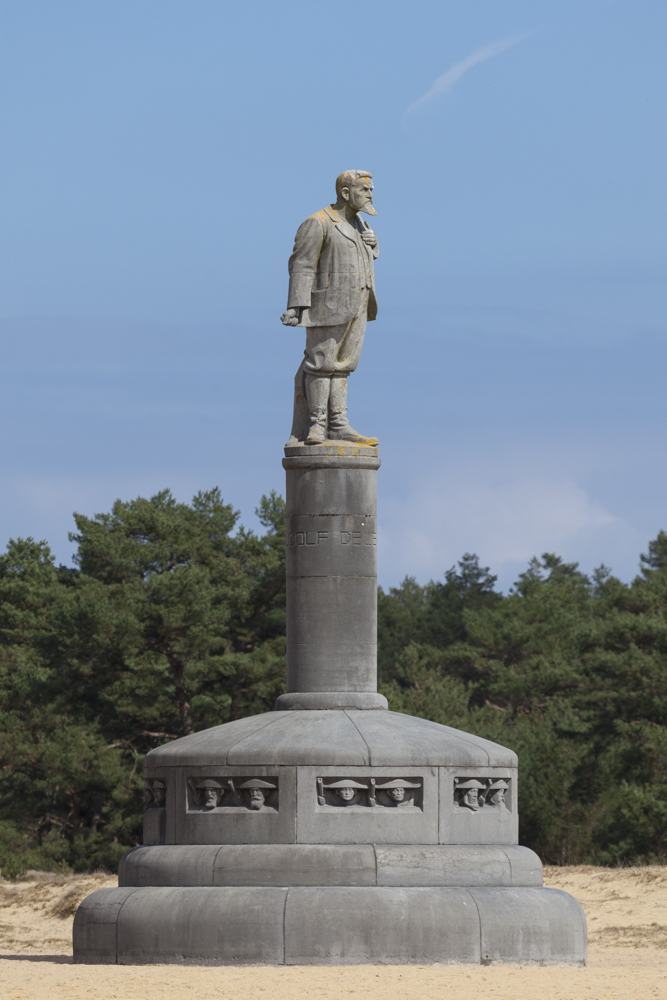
(331, 449)
(332, 455)
(331, 462)
(327, 700)
(477, 865)
(329, 925)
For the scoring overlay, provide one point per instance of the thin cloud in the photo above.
(445, 82)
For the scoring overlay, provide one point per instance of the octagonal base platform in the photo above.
(327, 925)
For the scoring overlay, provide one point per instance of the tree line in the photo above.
(173, 619)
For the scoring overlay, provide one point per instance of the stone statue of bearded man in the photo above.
(332, 294)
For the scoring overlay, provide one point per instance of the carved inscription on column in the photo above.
(309, 532)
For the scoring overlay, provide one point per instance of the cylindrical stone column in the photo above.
(331, 578)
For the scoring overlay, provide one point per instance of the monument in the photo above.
(331, 830)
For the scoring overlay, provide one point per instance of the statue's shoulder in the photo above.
(325, 217)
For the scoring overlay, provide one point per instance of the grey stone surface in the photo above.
(168, 864)
(488, 824)
(329, 925)
(155, 826)
(350, 926)
(354, 737)
(330, 864)
(457, 865)
(301, 864)
(362, 823)
(331, 455)
(211, 745)
(331, 579)
(526, 866)
(530, 926)
(315, 488)
(396, 738)
(95, 926)
(314, 737)
(344, 700)
(208, 926)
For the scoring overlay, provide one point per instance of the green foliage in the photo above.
(571, 673)
(173, 620)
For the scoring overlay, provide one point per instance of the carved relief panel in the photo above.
(367, 805)
(473, 794)
(249, 794)
(478, 805)
(352, 794)
(155, 793)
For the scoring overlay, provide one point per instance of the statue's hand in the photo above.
(291, 317)
(369, 238)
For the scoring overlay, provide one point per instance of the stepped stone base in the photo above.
(330, 864)
(329, 925)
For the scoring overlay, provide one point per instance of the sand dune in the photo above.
(627, 921)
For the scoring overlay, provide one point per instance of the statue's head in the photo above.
(356, 188)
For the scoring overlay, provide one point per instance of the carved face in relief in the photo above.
(159, 793)
(210, 798)
(397, 794)
(256, 798)
(346, 794)
(208, 793)
(496, 794)
(256, 791)
(471, 798)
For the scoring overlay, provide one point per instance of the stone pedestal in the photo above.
(331, 504)
(331, 830)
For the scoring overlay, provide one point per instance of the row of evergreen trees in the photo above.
(174, 620)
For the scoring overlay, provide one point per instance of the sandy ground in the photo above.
(627, 921)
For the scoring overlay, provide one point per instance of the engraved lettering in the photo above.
(300, 537)
(322, 536)
(345, 538)
(356, 538)
(314, 541)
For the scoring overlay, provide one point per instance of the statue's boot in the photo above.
(339, 428)
(317, 394)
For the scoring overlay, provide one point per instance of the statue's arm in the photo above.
(302, 268)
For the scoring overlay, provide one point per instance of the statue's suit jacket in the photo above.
(330, 269)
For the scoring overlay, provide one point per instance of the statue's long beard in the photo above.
(368, 208)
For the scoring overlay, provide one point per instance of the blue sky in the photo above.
(157, 159)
